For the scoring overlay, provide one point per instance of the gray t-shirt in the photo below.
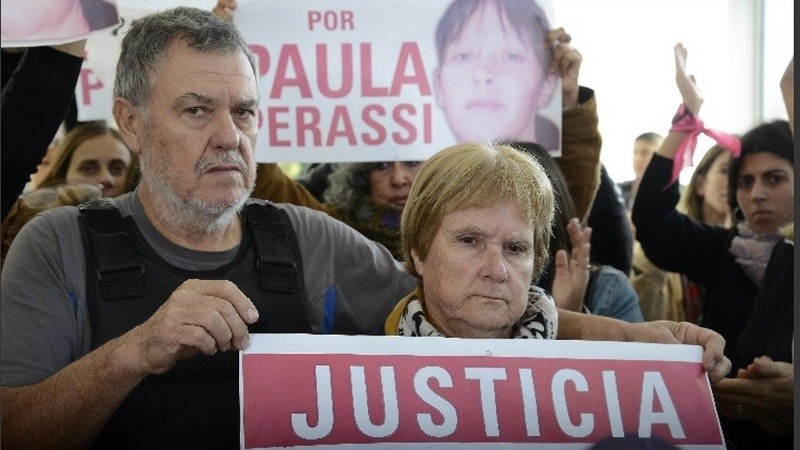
(44, 321)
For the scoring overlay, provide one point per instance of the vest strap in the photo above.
(119, 267)
(277, 270)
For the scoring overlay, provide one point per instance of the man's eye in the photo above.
(194, 110)
(242, 112)
(469, 240)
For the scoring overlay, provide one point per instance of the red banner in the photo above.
(323, 398)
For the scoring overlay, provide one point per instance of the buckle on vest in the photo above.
(122, 283)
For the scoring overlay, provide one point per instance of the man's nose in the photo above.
(225, 134)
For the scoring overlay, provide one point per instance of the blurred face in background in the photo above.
(391, 183)
(102, 160)
(713, 188)
(643, 151)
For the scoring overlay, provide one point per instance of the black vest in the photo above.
(196, 403)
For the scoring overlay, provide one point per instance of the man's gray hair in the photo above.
(145, 45)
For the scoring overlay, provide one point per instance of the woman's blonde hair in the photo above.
(691, 203)
(475, 175)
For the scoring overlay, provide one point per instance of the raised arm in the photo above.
(787, 90)
(581, 141)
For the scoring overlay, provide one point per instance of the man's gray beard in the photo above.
(191, 215)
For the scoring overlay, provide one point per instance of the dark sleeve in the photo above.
(770, 329)
(671, 240)
(612, 238)
(33, 105)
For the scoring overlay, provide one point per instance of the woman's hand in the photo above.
(690, 93)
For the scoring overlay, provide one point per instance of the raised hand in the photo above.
(566, 63)
(690, 92)
(572, 273)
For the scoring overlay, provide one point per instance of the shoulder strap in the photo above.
(118, 266)
(278, 269)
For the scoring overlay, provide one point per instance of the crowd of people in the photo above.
(139, 256)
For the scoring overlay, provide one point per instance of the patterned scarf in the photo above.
(540, 320)
(752, 251)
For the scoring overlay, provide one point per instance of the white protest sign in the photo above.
(331, 391)
(336, 86)
(35, 23)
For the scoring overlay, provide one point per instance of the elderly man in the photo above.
(117, 316)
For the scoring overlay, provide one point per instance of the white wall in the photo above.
(628, 61)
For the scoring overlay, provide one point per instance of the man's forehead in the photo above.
(188, 72)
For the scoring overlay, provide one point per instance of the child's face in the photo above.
(490, 83)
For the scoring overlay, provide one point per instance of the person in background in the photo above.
(730, 263)
(612, 236)
(367, 196)
(47, 161)
(91, 153)
(34, 101)
(644, 147)
(94, 152)
(608, 292)
(672, 295)
(760, 400)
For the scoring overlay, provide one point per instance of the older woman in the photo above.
(475, 233)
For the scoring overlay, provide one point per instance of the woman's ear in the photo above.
(129, 122)
(419, 265)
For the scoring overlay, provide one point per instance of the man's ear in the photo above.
(549, 84)
(129, 122)
(437, 87)
(418, 264)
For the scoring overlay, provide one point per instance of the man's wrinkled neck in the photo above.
(212, 233)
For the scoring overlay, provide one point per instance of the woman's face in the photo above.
(477, 272)
(102, 160)
(390, 184)
(713, 186)
(765, 191)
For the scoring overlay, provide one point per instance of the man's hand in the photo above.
(572, 273)
(762, 393)
(566, 63)
(200, 316)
